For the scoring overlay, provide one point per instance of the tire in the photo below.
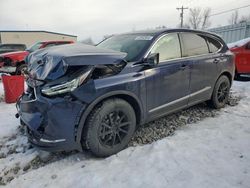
(20, 69)
(109, 127)
(220, 93)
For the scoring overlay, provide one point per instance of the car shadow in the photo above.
(245, 78)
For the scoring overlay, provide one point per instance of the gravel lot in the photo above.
(167, 125)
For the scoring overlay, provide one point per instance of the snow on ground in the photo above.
(212, 153)
(7, 127)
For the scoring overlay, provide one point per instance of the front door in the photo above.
(168, 82)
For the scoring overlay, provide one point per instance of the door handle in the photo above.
(216, 61)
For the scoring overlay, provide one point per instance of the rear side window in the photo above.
(213, 44)
(193, 44)
(168, 47)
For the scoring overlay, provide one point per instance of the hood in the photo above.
(52, 63)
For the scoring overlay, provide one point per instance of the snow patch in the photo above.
(211, 153)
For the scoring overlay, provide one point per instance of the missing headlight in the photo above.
(66, 85)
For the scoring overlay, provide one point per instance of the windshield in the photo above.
(132, 44)
(34, 47)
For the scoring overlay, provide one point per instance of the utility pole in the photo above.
(182, 13)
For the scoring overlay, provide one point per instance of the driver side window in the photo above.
(168, 47)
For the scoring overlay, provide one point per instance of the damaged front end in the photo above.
(48, 107)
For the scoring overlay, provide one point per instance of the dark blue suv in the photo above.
(94, 97)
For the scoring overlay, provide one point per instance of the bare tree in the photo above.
(205, 22)
(234, 19)
(194, 17)
(244, 19)
(198, 18)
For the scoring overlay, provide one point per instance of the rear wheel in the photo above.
(221, 93)
(110, 127)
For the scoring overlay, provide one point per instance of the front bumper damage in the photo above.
(51, 122)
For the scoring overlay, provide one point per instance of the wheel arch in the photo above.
(131, 98)
(227, 74)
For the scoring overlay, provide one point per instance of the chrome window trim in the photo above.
(52, 141)
(180, 99)
(180, 58)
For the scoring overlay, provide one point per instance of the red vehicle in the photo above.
(241, 49)
(14, 62)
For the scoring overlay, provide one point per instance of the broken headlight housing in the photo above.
(66, 87)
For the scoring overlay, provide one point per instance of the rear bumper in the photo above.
(51, 123)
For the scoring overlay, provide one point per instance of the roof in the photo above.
(160, 31)
(37, 31)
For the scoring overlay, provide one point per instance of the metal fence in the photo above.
(232, 33)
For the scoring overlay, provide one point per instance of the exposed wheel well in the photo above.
(227, 74)
(134, 105)
(128, 99)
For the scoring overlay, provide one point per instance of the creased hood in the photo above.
(52, 63)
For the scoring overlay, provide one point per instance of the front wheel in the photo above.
(220, 93)
(109, 127)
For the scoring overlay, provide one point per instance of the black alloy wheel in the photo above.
(223, 92)
(114, 128)
(220, 93)
(109, 127)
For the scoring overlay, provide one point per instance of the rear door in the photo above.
(167, 83)
(204, 69)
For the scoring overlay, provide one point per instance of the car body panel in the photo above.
(159, 80)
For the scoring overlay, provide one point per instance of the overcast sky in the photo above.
(95, 18)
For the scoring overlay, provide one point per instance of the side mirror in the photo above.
(152, 60)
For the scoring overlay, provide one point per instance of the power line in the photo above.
(229, 10)
(182, 13)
